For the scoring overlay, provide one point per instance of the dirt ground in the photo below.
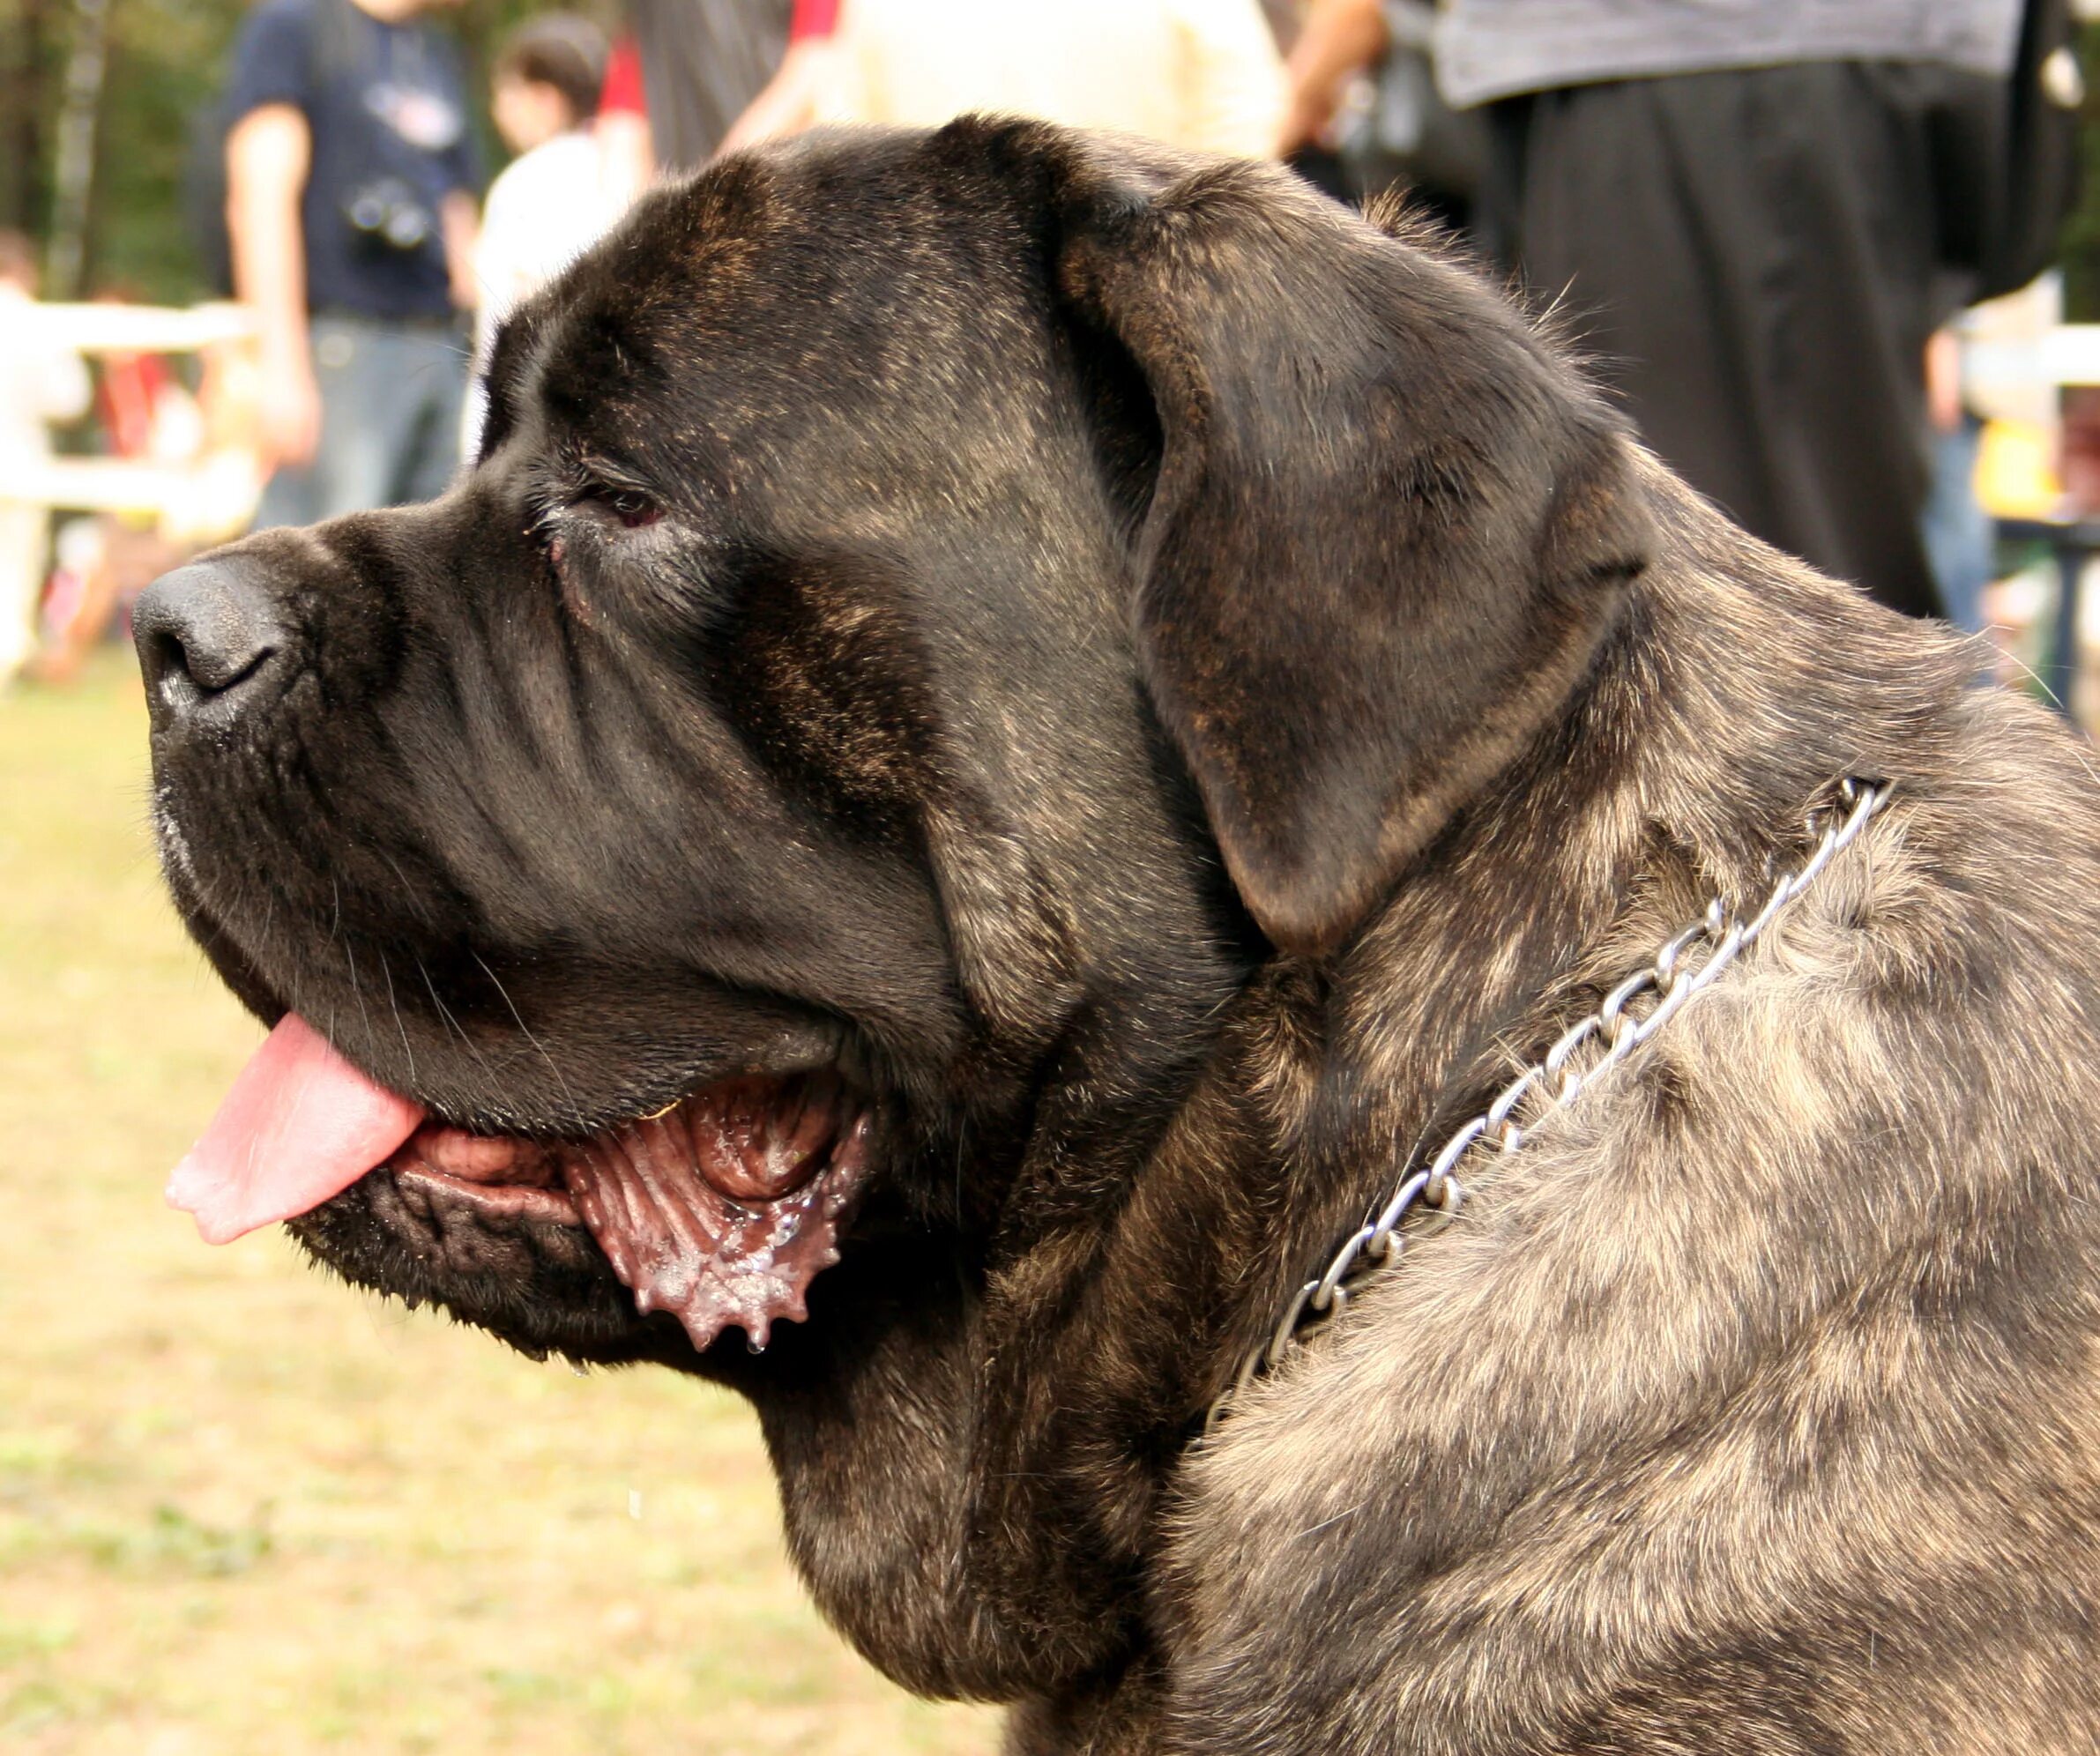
(243, 1508)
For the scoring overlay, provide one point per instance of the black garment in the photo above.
(703, 61)
(386, 105)
(1752, 257)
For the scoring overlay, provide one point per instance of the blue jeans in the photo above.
(1958, 533)
(390, 421)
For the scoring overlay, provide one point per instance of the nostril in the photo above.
(161, 654)
(204, 631)
(215, 669)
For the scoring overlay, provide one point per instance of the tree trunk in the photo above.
(21, 198)
(73, 164)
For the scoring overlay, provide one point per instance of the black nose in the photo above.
(210, 639)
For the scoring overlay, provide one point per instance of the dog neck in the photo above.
(1037, 1455)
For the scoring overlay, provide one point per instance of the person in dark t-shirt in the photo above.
(1736, 207)
(351, 177)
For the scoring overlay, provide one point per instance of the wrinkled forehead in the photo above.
(843, 294)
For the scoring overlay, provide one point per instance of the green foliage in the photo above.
(164, 70)
(2079, 250)
(30, 69)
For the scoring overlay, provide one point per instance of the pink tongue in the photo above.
(300, 1125)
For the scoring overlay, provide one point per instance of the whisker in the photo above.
(395, 1006)
(554, 1067)
(445, 1013)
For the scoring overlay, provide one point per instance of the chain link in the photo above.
(1629, 1016)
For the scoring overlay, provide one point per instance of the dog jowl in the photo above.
(1002, 720)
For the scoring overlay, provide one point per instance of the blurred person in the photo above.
(1286, 18)
(622, 125)
(561, 192)
(134, 393)
(789, 103)
(148, 416)
(351, 177)
(1742, 203)
(1407, 137)
(103, 563)
(78, 598)
(1203, 74)
(1739, 206)
(39, 383)
(701, 63)
(1958, 536)
(1338, 42)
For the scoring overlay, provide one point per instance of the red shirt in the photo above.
(622, 94)
(813, 19)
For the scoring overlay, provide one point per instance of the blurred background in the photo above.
(250, 251)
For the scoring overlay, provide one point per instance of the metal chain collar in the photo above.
(1630, 1015)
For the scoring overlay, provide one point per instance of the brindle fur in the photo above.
(1180, 692)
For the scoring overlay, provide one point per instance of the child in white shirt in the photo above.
(559, 196)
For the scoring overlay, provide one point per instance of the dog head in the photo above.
(931, 614)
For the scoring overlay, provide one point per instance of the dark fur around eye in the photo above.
(630, 505)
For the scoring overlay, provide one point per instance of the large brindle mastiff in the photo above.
(1011, 733)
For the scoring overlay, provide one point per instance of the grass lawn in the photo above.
(243, 1508)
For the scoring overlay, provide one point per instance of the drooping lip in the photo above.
(502, 1176)
(720, 1209)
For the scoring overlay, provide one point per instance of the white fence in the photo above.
(112, 484)
(2069, 354)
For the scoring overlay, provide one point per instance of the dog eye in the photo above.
(630, 506)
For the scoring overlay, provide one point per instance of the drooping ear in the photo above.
(1387, 531)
